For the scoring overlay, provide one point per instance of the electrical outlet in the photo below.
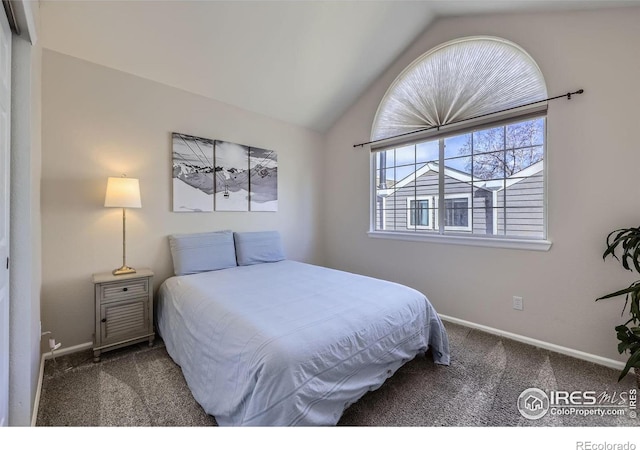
(518, 303)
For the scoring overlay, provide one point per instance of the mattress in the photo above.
(288, 343)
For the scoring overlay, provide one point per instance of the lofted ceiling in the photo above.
(302, 62)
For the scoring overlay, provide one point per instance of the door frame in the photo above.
(5, 168)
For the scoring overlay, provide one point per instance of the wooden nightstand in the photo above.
(123, 310)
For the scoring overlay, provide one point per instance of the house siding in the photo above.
(426, 185)
(524, 215)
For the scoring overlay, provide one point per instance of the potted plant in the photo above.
(628, 334)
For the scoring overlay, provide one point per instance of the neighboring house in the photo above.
(514, 204)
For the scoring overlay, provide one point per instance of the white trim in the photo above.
(36, 402)
(469, 227)
(545, 190)
(611, 363)
(26, 18)
(494, 200)
(430, 166)
(373, 194)
(68, 350)
(530, 171)
(496, 242)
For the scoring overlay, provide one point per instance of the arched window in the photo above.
(459, 146)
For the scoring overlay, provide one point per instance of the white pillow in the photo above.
(257, 247)
(202, 252)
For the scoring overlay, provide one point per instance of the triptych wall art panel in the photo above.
(216, 175)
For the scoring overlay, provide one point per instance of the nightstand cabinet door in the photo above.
(123, 310)
(123, 320)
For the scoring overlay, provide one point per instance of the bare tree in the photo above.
(506, 150)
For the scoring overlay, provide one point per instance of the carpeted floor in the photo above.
(142, 386)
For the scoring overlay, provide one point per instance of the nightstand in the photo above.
(123, 310)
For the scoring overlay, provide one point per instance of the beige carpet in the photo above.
(142, 386)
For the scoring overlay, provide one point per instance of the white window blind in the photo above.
(459, 80)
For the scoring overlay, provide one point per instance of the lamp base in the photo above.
(124, 270)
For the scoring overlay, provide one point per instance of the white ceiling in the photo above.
(303, 62)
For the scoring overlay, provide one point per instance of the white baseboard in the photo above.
(68, 350)
(611, 363)
(47, 355)
(36, 401)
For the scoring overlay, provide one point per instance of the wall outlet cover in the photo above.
(518, 303)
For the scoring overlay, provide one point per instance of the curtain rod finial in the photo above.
(569, 94)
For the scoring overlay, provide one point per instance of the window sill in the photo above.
(510, 243)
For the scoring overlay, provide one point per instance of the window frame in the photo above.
(432, 201)
(451, 237)
(469, 197)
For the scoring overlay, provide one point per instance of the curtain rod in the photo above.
(11, 17)
(568, 95)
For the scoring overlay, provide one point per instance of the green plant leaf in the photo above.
(634, 307)
(636, 255)
(629, 245)
(628, 339)
(629, 241)
(624, 256)
(613, 243)
(633, 361)
(622, 347)
(632, 288)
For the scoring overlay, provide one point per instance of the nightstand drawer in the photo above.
(124, 289)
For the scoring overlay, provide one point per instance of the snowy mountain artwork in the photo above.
(232, 176)
(193, 186)
(263, 180)
(218, 175)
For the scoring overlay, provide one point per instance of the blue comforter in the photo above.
(289, 343)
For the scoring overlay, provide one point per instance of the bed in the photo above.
(267, 341)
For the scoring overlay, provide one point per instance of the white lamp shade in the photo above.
(122, 193)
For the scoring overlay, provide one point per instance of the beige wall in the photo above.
(99, 122)
(593, 158)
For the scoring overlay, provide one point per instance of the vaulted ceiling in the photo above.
(303, 62)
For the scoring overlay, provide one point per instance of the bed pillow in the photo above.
(257, 247)
(202, 252)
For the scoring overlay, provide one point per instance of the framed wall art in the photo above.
(215, 175)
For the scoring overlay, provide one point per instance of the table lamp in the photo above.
(123, 193)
